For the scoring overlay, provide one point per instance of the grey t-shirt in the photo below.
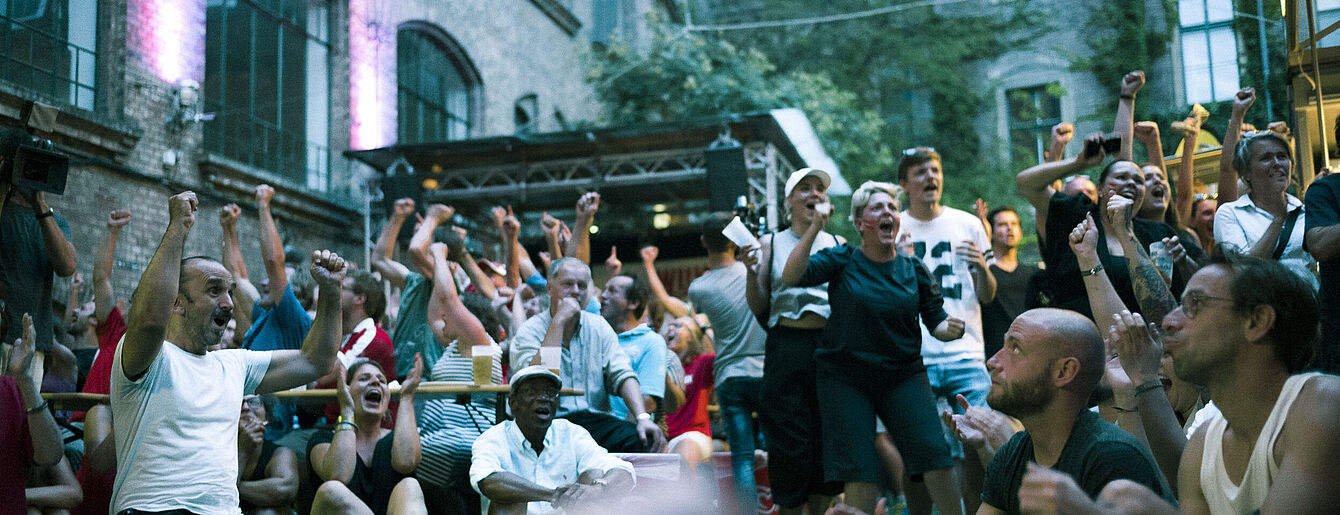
(25, 274)
(740, 341)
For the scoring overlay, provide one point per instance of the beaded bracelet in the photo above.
(1147, 387)
(37, 409)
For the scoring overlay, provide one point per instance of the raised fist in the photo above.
(548, 223)
(587, 206)
(650, 253)
(1132, 82)
(1146, 131)
(1119, 210)
(1243, 100)
(181, 208)
(1063, 132)
(438, 249)
(328, 269)
(263, 194)
(118, 219)
(498, 213)
(440, 212)
(228, 215)
(511, 227)
(404, 207)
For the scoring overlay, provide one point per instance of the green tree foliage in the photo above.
(913, 68)
(683, 75)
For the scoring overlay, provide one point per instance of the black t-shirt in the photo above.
(25, 274)
(1096, 454)
(372, 483)
(1323, 208)
(872, 330)
(268, 449)
(1009, 303)
(1060, 285)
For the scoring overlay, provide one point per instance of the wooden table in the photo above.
(75, 401)
(428, 389)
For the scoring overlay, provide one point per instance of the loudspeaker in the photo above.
(727, 175)
(396, 186)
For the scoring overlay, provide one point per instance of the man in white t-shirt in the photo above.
(177, 406)
(950, 243)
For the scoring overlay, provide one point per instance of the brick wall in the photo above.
(146, 46)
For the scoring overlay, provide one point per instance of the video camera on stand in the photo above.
(29, 161)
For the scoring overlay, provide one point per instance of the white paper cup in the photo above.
(736, 232)
(823, 208)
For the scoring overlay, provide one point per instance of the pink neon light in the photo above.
(169, 36)
(367, 125)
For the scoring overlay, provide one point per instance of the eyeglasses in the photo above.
(914, 150)
(252, 401)
(1192, 301)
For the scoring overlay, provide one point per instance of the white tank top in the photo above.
(1220, 493)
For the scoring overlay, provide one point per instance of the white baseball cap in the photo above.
(802, 173)
(534, 371)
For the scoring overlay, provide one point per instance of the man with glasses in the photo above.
(950, 242)
(268, 474)
(539, 464)
(1246, 331)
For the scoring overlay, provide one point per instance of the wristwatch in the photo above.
(644, 416)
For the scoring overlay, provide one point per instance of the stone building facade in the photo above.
(217, 96)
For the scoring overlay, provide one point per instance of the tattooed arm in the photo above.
(1151, 290)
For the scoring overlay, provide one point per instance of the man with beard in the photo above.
(1246, 329)
(177, 405)
(536, 464)
(1051, 363)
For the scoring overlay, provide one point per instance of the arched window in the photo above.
(437, 86)
(526, 113)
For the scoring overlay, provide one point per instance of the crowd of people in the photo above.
(1173, 353)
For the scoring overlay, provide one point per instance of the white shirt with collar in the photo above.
(1240, 224)
(569, 451)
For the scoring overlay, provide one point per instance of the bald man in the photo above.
(1043, 376)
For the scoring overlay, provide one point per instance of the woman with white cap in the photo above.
(795, 318)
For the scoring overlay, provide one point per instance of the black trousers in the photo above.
(791, 424)
(613, 434)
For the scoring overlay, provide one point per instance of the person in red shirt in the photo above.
(364, 303)
(29, 437)
(97, 471)
(690, 431)
(110, 313)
